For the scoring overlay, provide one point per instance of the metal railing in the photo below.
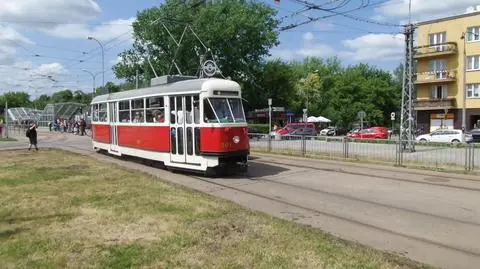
(438, 156)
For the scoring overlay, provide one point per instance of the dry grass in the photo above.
(59, 210)
(7, 139)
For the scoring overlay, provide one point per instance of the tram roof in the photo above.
(185, 86)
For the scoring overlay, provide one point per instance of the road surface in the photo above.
(430, 217)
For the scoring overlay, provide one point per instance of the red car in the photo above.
(294, 126)
(371, 133)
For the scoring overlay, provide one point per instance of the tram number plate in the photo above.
(226, 145)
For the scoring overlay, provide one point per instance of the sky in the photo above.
(44, 46)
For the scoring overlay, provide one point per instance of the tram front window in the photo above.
(226, 110)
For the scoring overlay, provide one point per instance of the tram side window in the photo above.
(138, 110)
(124, 111)
(209, 115)
(102, 112)
(155, 109)
(95, 112)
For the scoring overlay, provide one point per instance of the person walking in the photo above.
(32, 136)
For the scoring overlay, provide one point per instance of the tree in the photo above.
(62, 96)
(274, 80)
(240, 35)
(15, 99)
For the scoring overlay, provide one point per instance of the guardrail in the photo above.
(438, 156)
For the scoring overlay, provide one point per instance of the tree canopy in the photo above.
(238, 33)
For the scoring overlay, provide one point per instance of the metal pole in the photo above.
(269, 116)
(464, 103)
(103, 59)
(6, 119)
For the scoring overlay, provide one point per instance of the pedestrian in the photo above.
(32, 136)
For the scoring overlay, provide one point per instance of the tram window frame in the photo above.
(102, 112)
(124, 111)
(95, 113)
(135, 107)
(196, 109)
(208, 107)
(153, 113)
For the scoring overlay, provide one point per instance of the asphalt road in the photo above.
(424, 155)
(426, 216)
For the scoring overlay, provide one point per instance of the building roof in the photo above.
(180, 87)
(449, 18)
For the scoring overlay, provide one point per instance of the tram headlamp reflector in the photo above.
(236, 139)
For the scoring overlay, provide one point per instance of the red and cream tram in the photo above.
(193, 124)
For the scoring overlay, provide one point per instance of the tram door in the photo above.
(185, 129)
(112, 107)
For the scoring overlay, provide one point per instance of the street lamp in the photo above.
(103, 59)
(93, 77)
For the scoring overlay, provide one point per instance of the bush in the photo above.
(262, 128)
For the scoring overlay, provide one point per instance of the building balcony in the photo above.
(436, 77)
(435, 50)
(435, 104)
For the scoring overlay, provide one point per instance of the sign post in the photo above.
(361, 115)
(269, 116)
(392, 117)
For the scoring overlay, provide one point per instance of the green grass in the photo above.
(61, 210)
(7, 139)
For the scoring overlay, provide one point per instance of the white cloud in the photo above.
(310, 48)
(10, 39)
(380, 47)
(308, 36)
(31, 78)
(51, 11)
(118, 28)
(317, 50)
(425, 9)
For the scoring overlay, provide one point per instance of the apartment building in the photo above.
(444, 86)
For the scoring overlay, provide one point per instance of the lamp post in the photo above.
(103, 59)
(93, 77)
(269, 116)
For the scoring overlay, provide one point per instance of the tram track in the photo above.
(350, 220)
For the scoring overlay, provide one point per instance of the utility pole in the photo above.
(408, 113)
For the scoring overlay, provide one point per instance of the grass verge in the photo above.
(7, 139)
(63, 210)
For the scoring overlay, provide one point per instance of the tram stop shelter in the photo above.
(66, 111)
(19, 115)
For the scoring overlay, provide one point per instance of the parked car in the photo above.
(475, 135)
(370, 133)
(330, 131)
(289, 128)
(444, 136)
(300, 132)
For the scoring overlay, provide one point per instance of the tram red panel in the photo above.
(221, 139)
(101, 133)
(145, 137)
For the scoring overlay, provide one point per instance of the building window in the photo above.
(440, 92)
(473, 62)
(438, 38)
(473, 90)
(473, 34)
(438, 68)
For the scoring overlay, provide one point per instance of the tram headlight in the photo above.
(236, 139)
